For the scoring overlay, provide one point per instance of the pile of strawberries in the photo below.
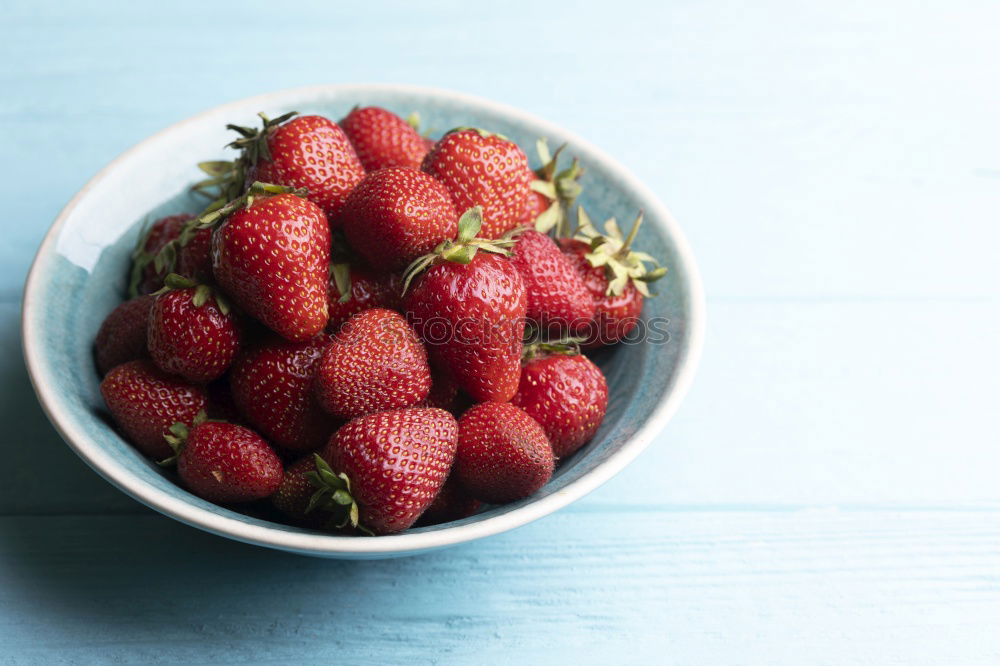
(366, 327)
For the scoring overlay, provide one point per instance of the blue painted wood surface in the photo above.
(826, 495)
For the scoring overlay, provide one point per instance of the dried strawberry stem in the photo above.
(614, 252)
(560, 187)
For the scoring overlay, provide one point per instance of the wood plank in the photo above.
(41, 474)
(788, 587)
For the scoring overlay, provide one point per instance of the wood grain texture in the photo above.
(728, 587)
(827, 493)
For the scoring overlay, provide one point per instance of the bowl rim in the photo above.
(397, 544)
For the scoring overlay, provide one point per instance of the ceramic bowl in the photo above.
(79, 273)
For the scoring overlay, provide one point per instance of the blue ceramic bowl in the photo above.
(79, 276)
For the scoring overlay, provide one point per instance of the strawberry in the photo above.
(375, 363)
(444, 394)
(396, 215)
(365, 289)
(483, 169)
(566, 394)
(382, 139)
(469, 308)
(451, 503)
(615, 316)
(191, 331)
(272, 385)
(558, 300)
(296, 490)
(223, 462)
(503, 454)
(221, 406)
(194, 255)
(297, 497)
(615, 275)
(309, 152)
(122, 336)
(536, 205)
(385, 469)
(145, 401)
(146, 277)
(272, 257)
(181, 247)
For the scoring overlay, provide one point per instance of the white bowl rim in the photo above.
(407, 542)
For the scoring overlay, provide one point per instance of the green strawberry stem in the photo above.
(140, 259)
(253, 142)
(341, 274)
(413, 120)
(229, 178)
(478, 130)
(333, 494)
(560, 187)
(614, 252)
(177, 437)
(341, 260)
(463, 249)
(214, 213)
(568, 346)
(202, 292)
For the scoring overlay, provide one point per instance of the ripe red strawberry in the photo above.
(537, 204)
(295, 492)
(194, 257)
(221, 406)
(567, 395)
(615, 316)
(396, 215)
(503, 454)
(470, 315)
(614, 274)
(272, 385)
(558, 300)
(367, 290)
(225, 463)
(444, 394)
(122, 336)
(451, 503)
(382, 139)
(392, 464)
(273, 259)
(145, 277)
(298, 499)
(145, 401)
(483, 169)
(192, 332)
(375, 363)
(309, 152)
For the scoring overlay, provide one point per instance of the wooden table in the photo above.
(826, 495)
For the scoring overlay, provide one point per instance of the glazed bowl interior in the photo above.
(79, 276)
